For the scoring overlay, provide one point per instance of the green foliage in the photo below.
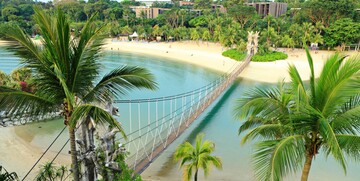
(126, 174)
(66, 70)
(198, 21)
(49, 171)
(269, 57)
(295, 122)
(6, 176)
(234, 54)
(343, 31)
(328, 11)
(197, 157)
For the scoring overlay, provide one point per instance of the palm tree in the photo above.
(308, 30)
(197, 157)
(287, 41)
(6, 176)
(49, 171)
(66, 74)
(317, 39)
(296, 123)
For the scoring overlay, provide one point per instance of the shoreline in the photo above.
(207, 55)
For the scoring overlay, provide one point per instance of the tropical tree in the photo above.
(296, 122)
(287, 41)
(317, 39)
(308, 30)
(206, 36)
(195, 158)
(6, 176)
(66, 74)
(194, 35)
(49, 171)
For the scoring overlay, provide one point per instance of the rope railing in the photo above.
(151, 139)
(181, 95)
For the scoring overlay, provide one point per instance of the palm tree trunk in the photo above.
(74, 161)
(307, 166)
(196, 174)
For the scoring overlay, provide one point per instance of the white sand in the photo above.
(209, 55)
(18, 154)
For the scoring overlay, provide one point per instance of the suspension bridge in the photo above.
(155, 123)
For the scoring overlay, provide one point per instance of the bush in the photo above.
(269, 57)
(234, 54)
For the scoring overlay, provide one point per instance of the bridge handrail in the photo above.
(185, 94)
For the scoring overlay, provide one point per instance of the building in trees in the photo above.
(150, 2)
(265, 8)
(148, 12)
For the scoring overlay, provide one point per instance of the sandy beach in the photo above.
(19, 154)
(209, 55)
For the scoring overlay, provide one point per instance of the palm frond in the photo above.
(119, 81)
(331, 142)
(337, 83)
(350, 145)
(86, 53)
(273, 159)
(98, 114)
(17, 102)
(269, 103)
(266, 131)
(312, 73)
(347, 119)
(298, 88)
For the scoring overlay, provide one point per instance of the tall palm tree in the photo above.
(197, 157)
(296, 125)
(66, 71)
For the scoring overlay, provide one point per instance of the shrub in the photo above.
(269, 57)
(234, 54)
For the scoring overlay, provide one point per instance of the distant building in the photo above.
(274, 8)
(185, 3)
(150, 2)
(149, 12)
(221, 8)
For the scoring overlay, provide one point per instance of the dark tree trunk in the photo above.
(196, 174)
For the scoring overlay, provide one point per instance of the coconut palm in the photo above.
(49, 171)
(195, 158)
(6, 176)
(300, 122)
(66, 76)
(287, 41)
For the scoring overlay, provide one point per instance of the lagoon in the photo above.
(217, 122)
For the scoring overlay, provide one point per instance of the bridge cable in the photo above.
(47, 149)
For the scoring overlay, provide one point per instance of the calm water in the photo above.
(217, 122)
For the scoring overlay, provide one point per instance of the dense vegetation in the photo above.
(330, 24)
(234, 54)
(269, 57)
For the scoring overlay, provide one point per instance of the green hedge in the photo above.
(269, 57)
(234, 54)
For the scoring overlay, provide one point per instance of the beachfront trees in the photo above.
(295, 123)
(66, 76)
(198, 157)
(343, 31)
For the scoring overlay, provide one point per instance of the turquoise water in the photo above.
(217, 122)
